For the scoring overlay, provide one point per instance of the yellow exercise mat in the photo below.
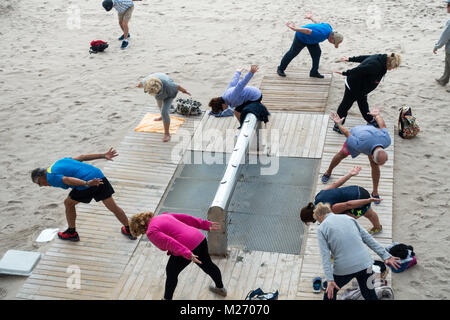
(149, 125)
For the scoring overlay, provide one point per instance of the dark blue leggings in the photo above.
(297, 46)
(362, 277)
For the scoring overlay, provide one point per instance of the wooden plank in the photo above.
(157, 286)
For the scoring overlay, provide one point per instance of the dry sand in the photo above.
(57, 100)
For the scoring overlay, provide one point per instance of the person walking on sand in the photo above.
(362, 80)
(237, 95)
(352, 200)
(87, 182)
(124, 10)
(164, 89)
(178, 234)
(365, 139)
(309, 36)
(445, 41)
(346, 240)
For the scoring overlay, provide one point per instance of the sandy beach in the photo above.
(58, 100)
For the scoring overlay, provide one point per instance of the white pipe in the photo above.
(217, 240)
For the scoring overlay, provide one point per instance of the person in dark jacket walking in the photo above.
(362, 80)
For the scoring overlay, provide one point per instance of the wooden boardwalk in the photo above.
(113, 267)
(140, 176)
(297, 92)
(312, 263)
(285, 135)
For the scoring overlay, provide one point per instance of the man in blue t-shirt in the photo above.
(365, 139)
(309, 36)
(87, 182)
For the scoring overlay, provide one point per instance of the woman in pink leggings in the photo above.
(178, 234)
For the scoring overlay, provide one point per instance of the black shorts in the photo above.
(100, 193)
(246, 103)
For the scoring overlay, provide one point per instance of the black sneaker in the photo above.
(128, 234)
(336, 128)
(124, 44)
(71, 236)
(373, 123)
(316, 75)
(122, 37)
(281, 72)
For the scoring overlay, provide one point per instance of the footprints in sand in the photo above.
(49, 206)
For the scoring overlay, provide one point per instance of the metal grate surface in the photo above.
(263, 214)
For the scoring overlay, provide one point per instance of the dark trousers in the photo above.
(347, 103)
(297, 46)
(176, 264)
(362, 277)
(246, 103)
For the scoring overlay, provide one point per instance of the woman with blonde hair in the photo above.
(347, 240)
(178, 234)
(164, 89)
(362, 80)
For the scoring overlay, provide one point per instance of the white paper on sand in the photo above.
(47, 235)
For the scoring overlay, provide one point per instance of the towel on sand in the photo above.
(149, 125)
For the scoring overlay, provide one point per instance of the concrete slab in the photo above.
(20, 263)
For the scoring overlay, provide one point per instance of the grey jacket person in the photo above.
(445, 39)
(347, 240)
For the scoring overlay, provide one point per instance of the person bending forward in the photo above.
(87, 182)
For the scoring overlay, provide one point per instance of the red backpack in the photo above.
(98, 46)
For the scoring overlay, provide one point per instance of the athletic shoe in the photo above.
(373, 123)
(336, 128)
(124, 44)
(219, 291)
(374, 230)
(123, 36)
(66, 235)
(281, 72)
(440, 82)
(128, 234)
(376, 197)
(316, 75)
(317, 284)
(325, 178)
